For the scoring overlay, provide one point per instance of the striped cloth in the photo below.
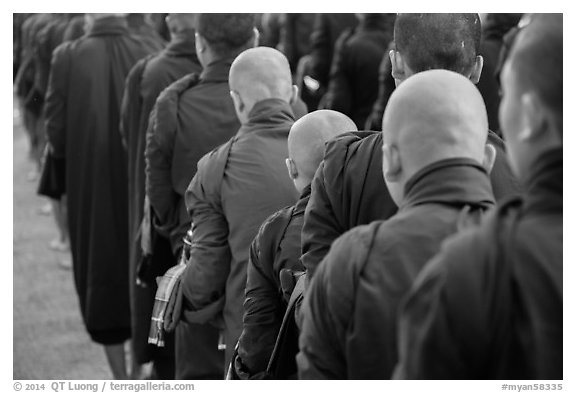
(167, 304)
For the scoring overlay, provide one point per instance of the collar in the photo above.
(182, 44)
(455, 181)
(217, 71)
(544, 187)
(109, 26)
(300, 206)
(271, 112)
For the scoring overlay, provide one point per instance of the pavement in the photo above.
(50, 341)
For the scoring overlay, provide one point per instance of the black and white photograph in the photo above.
(287, 196)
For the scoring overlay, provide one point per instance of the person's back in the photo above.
(82, 122)
(275, 251)
(432, 168)
(348, 189)
(353, 86)
(193, 116)
(144, 83)
(236, 187)
(492, 298)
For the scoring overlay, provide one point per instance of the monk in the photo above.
(489, 305)
(277, 246)
(144, 83)
(432, 165)
(82, 119)
(237, 186)
(191, 117)
(348, 189)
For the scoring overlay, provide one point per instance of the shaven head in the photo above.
(531, 110)
(258, 74)
(434, 115)
(306, 142)
(437, 41)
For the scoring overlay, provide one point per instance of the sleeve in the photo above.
(263, 304)
(321, 226)
(55, 104)
(131, 104)
(210, 256)
(42, 57)
(339, 92)
(325, 313)
(439, 331)
(158, 153)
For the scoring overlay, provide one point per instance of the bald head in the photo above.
(536, 61)
(435, 115)
(307, 139)
(261, 73)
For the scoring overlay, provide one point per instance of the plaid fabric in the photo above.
(167, 305)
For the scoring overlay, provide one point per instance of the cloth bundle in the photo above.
(167, 305)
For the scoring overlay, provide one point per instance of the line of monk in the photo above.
(226, 228)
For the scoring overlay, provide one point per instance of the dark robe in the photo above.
(386, 86)
(327, 29)
(17, 22)
(141, 26)
(348, 190)
(82, 120)
(493, 32)
(490, 304)
(144, 83)
(31, 100)
(191, 117)
(295, 32)
(353, 86)
(75, 28)
(275, 248)
(53, 178)
(236, 188)
(349, 311)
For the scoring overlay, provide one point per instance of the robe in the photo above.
(490, 304)
(348, 190)
(144, 83)
(82, 122)
(276, 247)
(353, 86)
(349, 310)
(236, 188)
(192, 116)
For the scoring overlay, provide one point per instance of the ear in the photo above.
(489, 157)
(292, 170)
(398, 66)
(256, 37)
(238, 103)
(391, 165)
(200, 43)
(294, 94)
(533, 118)
(477, 69)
